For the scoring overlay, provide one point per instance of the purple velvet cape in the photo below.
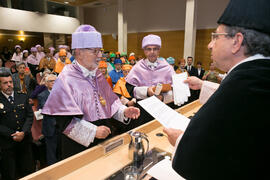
(142, 75)
(74, 94)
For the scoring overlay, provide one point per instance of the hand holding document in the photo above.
(181, 90)
(168, 117)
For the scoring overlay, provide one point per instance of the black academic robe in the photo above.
(228, 138)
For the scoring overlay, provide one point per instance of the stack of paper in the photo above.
(164, 171)
(168, 117)
(181, 90)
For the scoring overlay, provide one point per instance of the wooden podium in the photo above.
(108, 157)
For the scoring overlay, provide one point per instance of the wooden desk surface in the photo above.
(94, 163)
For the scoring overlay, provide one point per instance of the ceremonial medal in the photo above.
(1, 106)
(102, 101)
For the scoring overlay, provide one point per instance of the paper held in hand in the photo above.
(168, 117)
(181, 90)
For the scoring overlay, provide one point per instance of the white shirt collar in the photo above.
(150, 64)
(12, 94)
(86, 72)
(250, 58)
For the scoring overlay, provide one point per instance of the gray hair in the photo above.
(49, 75)
(20, 63)
(255, 42)
(46, 71)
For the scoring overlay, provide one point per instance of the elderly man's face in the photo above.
(220, 47)
(50, 82)
(6, 85)
(151, 53)
(88, 57)
(21, 69)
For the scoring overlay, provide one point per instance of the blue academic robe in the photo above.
(115, 76)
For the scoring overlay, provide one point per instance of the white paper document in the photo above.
(207, 90)
(168, 117)
(181, 90)
(164, 171)
(38, 115)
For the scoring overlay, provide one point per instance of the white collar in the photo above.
(150, 64)
(12, 94)
(250, 58)
(86, 72)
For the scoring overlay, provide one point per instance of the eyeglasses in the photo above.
(214, 35)
(94, 51)
(152, 49)
(50, 81)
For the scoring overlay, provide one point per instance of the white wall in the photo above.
(13, 19)
(155, 15)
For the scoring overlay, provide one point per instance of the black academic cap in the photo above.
(250, 14)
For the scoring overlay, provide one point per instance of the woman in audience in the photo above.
(24, 57)
(181, 68)
(212, 75)
(17, 56)
(33, 61)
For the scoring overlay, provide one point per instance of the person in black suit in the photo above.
(16, 118)
(48, 123)
(200, 70)
(200, 73)
(192, 71)
(228, 138)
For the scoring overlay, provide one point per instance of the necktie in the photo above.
(11, 100)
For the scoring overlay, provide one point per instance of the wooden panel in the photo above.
(172, 44)
(109, 44)
(203, 37)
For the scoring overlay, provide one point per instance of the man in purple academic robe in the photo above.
(82, 100)
(147, 74)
